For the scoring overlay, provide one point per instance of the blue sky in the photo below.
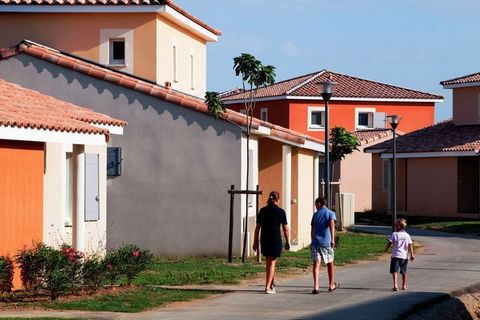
(409, 43)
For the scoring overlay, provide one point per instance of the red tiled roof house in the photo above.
(439, 165)
(358, 105)
(51, 153)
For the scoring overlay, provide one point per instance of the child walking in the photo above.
(402, 246)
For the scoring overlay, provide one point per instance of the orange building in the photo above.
(154, 39)
(358, 105)
(438, 166)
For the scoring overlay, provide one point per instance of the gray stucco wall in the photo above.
(178, 164)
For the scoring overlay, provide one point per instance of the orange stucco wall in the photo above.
(269, 168)
(415, 115)
(293, 114)
(79, 33)
(278, 111)
(467, 105)
(21, 195)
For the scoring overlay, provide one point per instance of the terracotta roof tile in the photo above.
(441, 137)
(348, 87)
(368, 136)
(145, 87)
(474, 77)
(25, 108)
(169, 3)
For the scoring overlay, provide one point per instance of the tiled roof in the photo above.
(441, 137)
(169, 3)
(348, 87)
(474, 77)
(24, 108)
(368, 136)
(115, 77)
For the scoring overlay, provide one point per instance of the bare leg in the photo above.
(316, 271)
(270, 270)
(331, 275)
(395, 280)
(404, 281)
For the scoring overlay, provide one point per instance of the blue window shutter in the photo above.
(114, 161)
(92, 194)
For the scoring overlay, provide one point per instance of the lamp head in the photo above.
(326, 89)
(394, 120)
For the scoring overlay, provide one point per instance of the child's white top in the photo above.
(400, 241)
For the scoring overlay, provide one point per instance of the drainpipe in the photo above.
(287, 182)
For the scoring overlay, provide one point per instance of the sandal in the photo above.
(336, 285)
(395, 289)
(315, 291)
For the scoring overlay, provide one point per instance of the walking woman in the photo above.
(269, 220)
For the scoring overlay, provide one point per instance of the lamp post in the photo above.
(326, 90)
(394, 121)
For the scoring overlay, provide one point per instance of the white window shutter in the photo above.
(379, 120)
(92, 194)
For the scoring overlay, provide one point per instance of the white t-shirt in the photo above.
(400, 241)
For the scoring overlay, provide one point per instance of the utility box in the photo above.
(345, 205)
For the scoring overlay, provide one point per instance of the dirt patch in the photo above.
(461, 305)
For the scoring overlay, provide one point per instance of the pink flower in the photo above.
(135, 253)
(109, 266)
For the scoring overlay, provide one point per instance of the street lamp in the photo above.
(326, 90)
(394, 121)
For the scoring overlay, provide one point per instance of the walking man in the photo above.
(323, 242)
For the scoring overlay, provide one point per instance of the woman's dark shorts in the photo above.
(397, 264)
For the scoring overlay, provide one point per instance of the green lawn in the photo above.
(459, 226)
(352, 247)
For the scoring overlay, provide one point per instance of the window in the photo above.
(114, 161)
(174, 62)
(264, 114)
(316, 118)
(385, 174)
(117, 51)
(365, 118)
(191, 72)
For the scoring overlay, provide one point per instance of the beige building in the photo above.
(155, 40)
(438, 166)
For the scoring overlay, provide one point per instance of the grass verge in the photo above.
(352, 247)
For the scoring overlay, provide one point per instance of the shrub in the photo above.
(57, 273)
(6, 274)
(74, 265)
(133, 261)
(32, 266)
(111, 266)
(93, 273)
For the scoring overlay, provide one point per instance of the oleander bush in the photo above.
(6, 274)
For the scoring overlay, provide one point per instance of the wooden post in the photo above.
(230, 229)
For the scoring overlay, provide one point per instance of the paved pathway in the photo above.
(447, 263)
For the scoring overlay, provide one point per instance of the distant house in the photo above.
(53, 159)
(357, 104)
(177, 162)
(153, 39)
(439, 165)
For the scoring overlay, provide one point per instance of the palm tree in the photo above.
(254, 75)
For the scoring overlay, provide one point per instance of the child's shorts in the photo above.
(324, 254)
(397, 264)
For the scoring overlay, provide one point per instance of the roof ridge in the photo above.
(385, 84)
(318, 74)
